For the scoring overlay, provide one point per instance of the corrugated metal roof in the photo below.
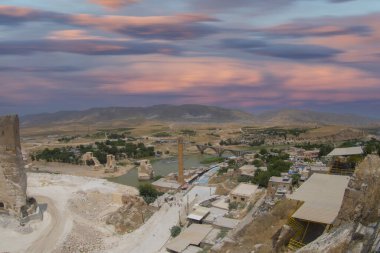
(193, 235)
(322, 196)
(346, 151)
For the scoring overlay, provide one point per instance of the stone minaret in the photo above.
(181, 178)
(12, 172)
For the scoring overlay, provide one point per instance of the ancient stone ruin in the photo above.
(89, 159)
(145, 170)
(111, 164)
(13, 199)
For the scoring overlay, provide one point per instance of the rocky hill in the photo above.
(306, 117)
(171, 113)
(195, 113)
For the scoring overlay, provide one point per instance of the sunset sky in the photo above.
(253, 55)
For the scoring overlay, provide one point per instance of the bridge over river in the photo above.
(221, 150)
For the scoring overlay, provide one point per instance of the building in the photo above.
(192, 236)
(279, 186)
(311, 154)
(243, 193)
(247, 170)
(318, 168)
(198, 214)
(344, 160)
(321, 198)
(346, 151)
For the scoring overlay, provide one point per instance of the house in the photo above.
(319, 168)
(243, 193)
(198, 214)
(311, 154)
(321, 198)
(247, 170)
(279, 186)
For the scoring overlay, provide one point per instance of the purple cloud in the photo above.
(86, 47)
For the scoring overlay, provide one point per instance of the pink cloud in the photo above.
(114, 3)
(74, 34)
(326, 77)
(171, 74)
(15, 11)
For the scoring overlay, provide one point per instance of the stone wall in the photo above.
(12, 173)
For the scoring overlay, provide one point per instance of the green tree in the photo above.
(263, 151)
(175, 231)
(148, 192)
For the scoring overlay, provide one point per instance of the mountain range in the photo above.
(196, 114)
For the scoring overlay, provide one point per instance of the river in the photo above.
(161, 167)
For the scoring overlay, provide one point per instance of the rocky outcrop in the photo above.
(357, 228)
(131, 215)
(361, 200)
(282, 237)
(12, 173)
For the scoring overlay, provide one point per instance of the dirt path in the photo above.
(52, 235)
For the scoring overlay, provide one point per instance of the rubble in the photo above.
(131, 215)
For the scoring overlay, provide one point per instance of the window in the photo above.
(242, 199)
(2, 205)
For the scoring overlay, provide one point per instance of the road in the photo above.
(51, 236)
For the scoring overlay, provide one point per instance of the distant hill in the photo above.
(196, 114)
(172, 113)
(306, 117)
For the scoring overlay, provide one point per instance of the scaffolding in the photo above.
(300, 230)
(342, 168)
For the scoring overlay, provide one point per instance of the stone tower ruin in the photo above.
(13, 199)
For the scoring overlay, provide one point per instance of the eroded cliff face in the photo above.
(13, 182)
(361, 200)
(357, 228)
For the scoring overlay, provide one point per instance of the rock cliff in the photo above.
(357, 228)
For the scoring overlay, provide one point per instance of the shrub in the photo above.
(148, 192)
(233, 205)
(175, 231)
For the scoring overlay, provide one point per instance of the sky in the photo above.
(253, 55)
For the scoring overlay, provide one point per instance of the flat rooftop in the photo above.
(280, 180)
(346, 151)
(165, 183)
(322, 196)
(193, 235)
(246, 190)
(198, 213)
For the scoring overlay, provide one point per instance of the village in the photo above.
(199, 209)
